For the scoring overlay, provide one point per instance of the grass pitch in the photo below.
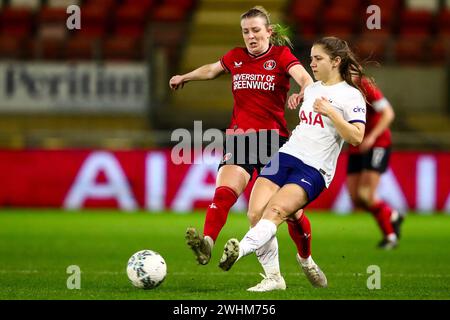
(37, 246)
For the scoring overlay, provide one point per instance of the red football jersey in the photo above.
(376, 102)
(260, 85)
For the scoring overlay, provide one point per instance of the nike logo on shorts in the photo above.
(303, 180)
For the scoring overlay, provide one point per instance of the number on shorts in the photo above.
(377, 156)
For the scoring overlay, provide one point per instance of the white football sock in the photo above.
(392, 237)
(256, 237)
(306, 261)
(394, 215)
(210, 241)
(268, 257)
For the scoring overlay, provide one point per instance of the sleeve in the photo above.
(374, 95)
(287, 59)
(226, 60)
(355, 108)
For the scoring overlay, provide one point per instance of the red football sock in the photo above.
(300, 232)
(382, 213)
(217, 213)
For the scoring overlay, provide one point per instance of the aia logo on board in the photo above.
(270, 65)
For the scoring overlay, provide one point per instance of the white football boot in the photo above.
(313, 273)
(269, 283)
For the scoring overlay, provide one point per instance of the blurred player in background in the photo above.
(369, 160)
(260, 80)
(333, 111)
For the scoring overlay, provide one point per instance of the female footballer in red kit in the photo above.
(260, 74)
(368, 161)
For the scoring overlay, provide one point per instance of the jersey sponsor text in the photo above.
(253, 81)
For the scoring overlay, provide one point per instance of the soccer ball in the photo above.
(146, 269)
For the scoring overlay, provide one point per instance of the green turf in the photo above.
(36, 247)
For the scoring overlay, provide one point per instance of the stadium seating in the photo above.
(427, 22)
(410, 49)
(305, 14)
(11, 48)
(427, 5)
(62, 3)
(371, 46)
(439, 50)
(182, 34)
(52, 22)
(17, 22)
(81, 48)
(30, 4)
(130, 19)
(416, 22)
(443, 22)
(40, 26)
(122, 48)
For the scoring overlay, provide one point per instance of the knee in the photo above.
(356, 201)
(277, 212)
(365, 196)
(253, 217)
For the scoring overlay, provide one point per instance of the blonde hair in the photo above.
(280, 34)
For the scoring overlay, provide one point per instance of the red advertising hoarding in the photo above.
(149, 180)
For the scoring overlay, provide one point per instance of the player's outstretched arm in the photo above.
(303, 79)
(205, 72)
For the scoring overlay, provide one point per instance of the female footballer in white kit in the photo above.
(333, 111)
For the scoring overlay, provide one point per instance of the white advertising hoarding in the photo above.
(77, 87)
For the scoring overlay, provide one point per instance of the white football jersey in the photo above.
(315, 140)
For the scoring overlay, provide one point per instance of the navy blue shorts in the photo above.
(294, 170)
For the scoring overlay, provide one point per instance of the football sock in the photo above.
(217, 213)
(210, 241)
(300, 232)
(268, 257)
(306, 261)
(391, 237)
(256, 237)
(382, 213)
(395, 215)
